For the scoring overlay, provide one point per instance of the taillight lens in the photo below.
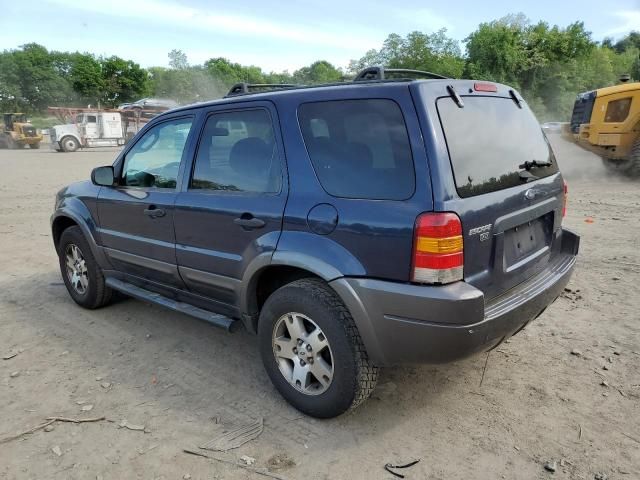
(485, 87)
(437, 249)
(564, 201)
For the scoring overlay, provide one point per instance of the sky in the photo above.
(276, 36)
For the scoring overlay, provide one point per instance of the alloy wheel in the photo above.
(77, 272)
(303, 354)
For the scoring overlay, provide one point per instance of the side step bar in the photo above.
(215, 319)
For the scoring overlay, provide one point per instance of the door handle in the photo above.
(154, 212)
(249, 222)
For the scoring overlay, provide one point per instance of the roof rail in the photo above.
(382, 73)
(243, 88)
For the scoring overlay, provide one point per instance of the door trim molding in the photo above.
(209, 279)
(138, 238)
(145, 262)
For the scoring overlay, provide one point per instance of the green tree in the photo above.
(124, 81)
(630, 41)
(227, 73)
(39, 83)
(433, 52)
(178, 60)
(496, 51)
(10, 92)
(547, 64)
(318, 72)
(87, 78)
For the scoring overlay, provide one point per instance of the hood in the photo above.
(69, 129)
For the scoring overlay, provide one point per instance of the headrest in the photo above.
(250, 155)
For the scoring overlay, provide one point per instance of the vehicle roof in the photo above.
(378, 87)
(268, 94)
(623, 87)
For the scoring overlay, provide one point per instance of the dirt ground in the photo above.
(181, 378)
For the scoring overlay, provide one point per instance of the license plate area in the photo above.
(526, 242)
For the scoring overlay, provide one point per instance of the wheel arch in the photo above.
(298, 255)
(63, 219)
(263, 282)
(59, 225)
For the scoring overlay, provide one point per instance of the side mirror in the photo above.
(103, 176)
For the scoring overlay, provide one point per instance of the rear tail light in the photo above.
(564, 200)
(437, 249)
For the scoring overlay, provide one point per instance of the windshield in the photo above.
(491, 141)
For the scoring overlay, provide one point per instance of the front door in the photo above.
(91, 130)
(136, 216)
(231, 208)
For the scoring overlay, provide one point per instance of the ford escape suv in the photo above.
(383, 221)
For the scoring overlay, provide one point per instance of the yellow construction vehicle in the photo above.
(607, 122)
(18, 132)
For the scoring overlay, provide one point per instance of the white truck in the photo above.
(91, 129)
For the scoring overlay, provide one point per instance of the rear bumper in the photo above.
(402, 323)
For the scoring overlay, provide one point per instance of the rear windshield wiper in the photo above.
(527, 176)
(529, 164)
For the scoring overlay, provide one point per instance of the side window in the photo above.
(359, 148)
(238, 153)
(155, 159)
(91, 119)
(618, 110)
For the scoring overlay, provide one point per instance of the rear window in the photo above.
(489, 140)
(359, 148)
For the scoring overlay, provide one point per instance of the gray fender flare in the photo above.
(88, 229)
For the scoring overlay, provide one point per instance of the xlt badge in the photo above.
(484, 232)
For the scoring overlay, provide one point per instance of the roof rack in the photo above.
(243, 88)
(370, 74)
(381, 73)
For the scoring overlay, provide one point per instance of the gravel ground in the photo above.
(181, 379)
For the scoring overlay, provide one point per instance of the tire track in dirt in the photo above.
(193, 357)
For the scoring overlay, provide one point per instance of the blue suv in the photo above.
(399, 218)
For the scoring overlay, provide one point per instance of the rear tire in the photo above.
(34, 146)
(69, 144)
(81, 273)
(331, 359)
(629, 167)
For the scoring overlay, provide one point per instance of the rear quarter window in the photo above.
(489, 140)
(359, 148)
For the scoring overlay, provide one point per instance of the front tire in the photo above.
(69, 144)
(81, 273)
(312, 350)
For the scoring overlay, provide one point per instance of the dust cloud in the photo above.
(576, 163)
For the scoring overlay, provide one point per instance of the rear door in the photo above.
(503, 182)
(230, 208)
